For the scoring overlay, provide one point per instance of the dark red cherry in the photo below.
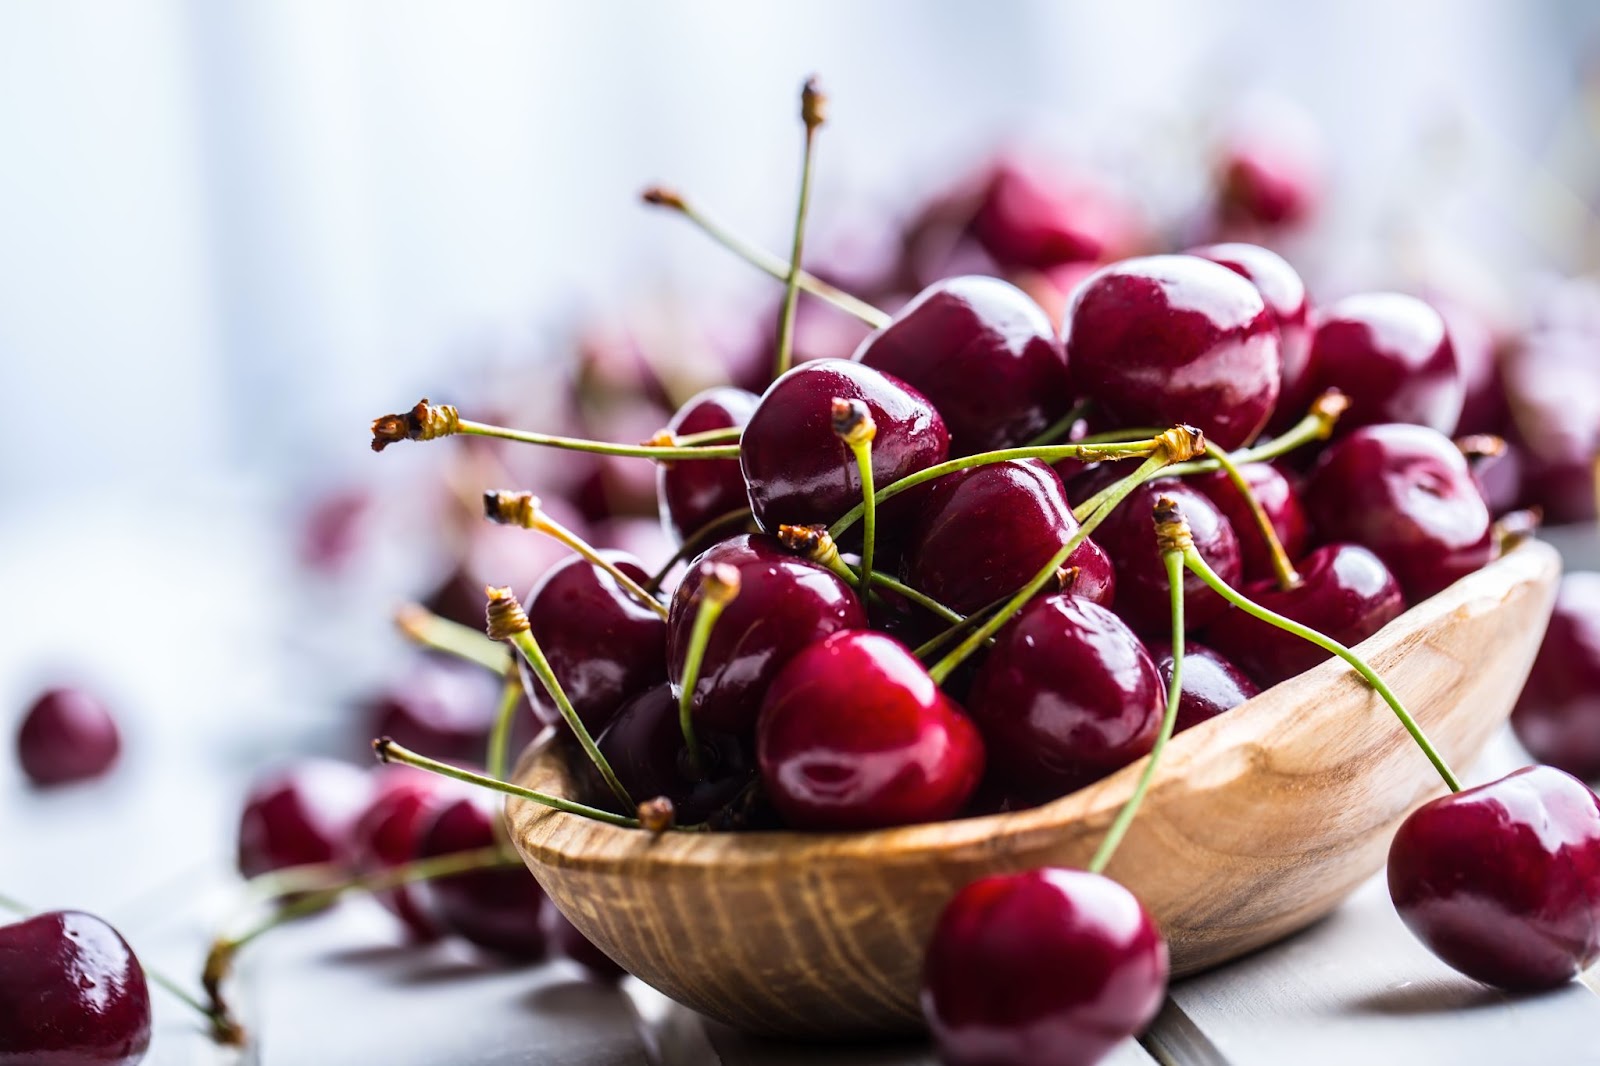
(301, 813)
(1406, 493)
(1029, 217)
(1476, 344)
(1278, 498)
(1285, 296)
(603, 644)
(72, 993)
(1502, 881)
(500, 555)
(67, 735)
(1049, 967)
(1345, 592)
(1129, 537)
(985, 355)
(441, 707)
(1211, 684)
(854, 734)
(1553, 384)
(565, 940)
(389, 833)
(694, 492)
(1269, 168)
(1391, 355)
(1066, 695)
(1174, 338)
(784, 604)
(799, 473)
(1557, 717)
(984, 532)
(497, 910)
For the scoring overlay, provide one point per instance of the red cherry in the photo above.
(694, 492)
(301, 813)
(1174, 338)
(984, 532)
(1066, 696)
(497, 910)
(1502, 881)
(854, 734)
(1211, 684)
(799, 473)
(500, 555)
(1553, 385)
(1270, 168)
(1345, 592)
(441, 707)
(67, 735)
(1476, 345)
(1278, 498)
(72, 993)
(1404, 492)
(1285, 296)
(1032, 219)
(1557, 718)
(1049, 967)
(388, 834)
(784, 604)
(1391, 355)
(984, 354)
(565, 940)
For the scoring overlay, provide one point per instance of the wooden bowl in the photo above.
(1259, 822)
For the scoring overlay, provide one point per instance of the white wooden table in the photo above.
(208, 686)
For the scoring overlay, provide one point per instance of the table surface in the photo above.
(147, 848)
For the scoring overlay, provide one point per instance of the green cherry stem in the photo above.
(708, 436)
(430, 421)
(421, 626)
(1282, 567)
(695, 541)
(813, 112)
(719, 584)
(505, 717)
(1317, 425)
(957, 629)
(853, 424)
(815, 543)
(1063, 425)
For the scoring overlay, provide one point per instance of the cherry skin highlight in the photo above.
(301, 813)
(67, 735)
(1502, 881)
(1050, 967)
(1211, 684)
(1278, 498)
(854, 734)
(497, 910)
(1557, 717)
(694, 492)
(1391, 355)
(72, 993)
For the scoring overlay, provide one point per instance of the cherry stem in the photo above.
(1287, 576)
(523, 509)
(853, 424)
(719, 584)
(921, 599)
(421, 626)
(1316, 426)
(1063, 425)
(939, 640)
(692, 544)
(813, 105)
(500, 736)
(708, 436)
(1196, 564)
(816, 543)
(764, 260)
(430, 421)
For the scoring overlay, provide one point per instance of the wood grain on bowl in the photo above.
(1259, 822)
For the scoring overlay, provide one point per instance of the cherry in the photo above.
(984, 532)
(1554, 391)
(1166, 339)
(854, 734)
(1269, 167)
(1557, 718)
(566, 940)
(498, 910)
(1211, 684)
(799, 473)
(1390, 354)
(499, 555)
(1035, 220)
(1278, 498)
(985, 355)
(301, 813)
(1477, 349)
(1502, 881)
(784, 604)
(72, 993)
(1129, 538)
(442, 707)
(1049, 967)
(388, 833)
(1066, 696)
(603, 644)
(1406, 493)
(1345, 592)
(696, 492)
(67, 735)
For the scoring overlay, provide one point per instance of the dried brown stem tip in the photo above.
(1328, 407)
(1172, 529)
(656, 816)
(661, 196)
(511, 508)
(425, 421)
(380, 748)
(1481, 446)
(1182, 443)
(505, 614)
(811, 542)
(852, 421)
(1067, 577)
(813, 104)
(719, 582)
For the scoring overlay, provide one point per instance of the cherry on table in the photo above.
(1557, 717)
(67, 735)
(497, 910)
(301, 813)
(72, 993)
(694, 492)
(1212, 685)
(566, 940)
(1391, 356)
(1278, 498)
(388, 834)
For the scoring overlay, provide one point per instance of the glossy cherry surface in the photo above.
(1285, 296)
(603, 644)
(784, 604)
(1406, 493)
(1557, 717)
(1066, 695)
(498, 910)
(1050, 967)
(1391, 355)
(440, 707)
(1345, 592)
(1129, 538)
(565, 940)
(854, 734)
(1174, 338)
(984, 532)
(986, 356)
(71, 994)
(1211, 684)
(1502, 881)
(67, 735)
(1036, 217)
(1278, 498)
(695, 492)
(389, 833)
(798, 472)
(301, 813)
